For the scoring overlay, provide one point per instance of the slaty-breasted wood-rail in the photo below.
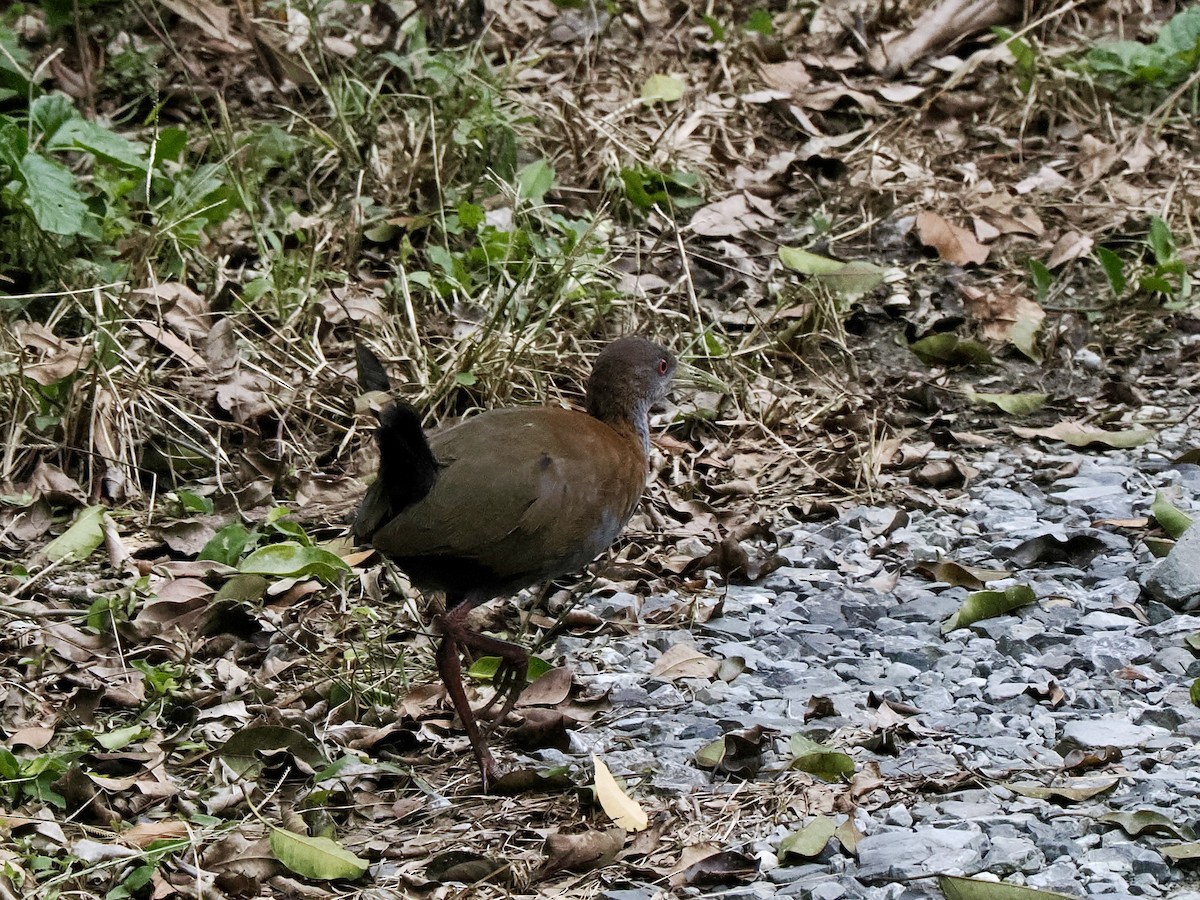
(511, 498)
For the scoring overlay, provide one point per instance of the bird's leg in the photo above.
(450, 668)
(509, 679)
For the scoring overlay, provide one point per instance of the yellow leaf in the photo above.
(622, 809)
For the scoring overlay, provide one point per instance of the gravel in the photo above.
(1095, 662)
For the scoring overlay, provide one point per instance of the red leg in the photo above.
(450, 668)
(509, 678)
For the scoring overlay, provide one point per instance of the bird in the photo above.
(508, 499)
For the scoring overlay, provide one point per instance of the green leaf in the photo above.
(294, 560)
(809, 841)
(1174, 521)
(316, 857)
(1162, 244)
(809, 263)
(817, 759)
(1043, 278)
(950, 350)
(958, 888)
(81, 539)
(81, 134)
(760, 22)
(988, 605)
(121, 737)
(715, 28)
(1013, 404)
(1194, 692)
(662, 89)
(52, 195)
(486, 667)
(470, 216)
(535, 180)
(228, 544)
(711, 754)
(1114, 270)
(193, 502)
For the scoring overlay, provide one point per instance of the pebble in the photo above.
(1002, 701)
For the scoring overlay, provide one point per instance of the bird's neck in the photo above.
(631, 420)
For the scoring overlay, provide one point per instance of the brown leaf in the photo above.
(1071, 245)
(954, 244)
(582, 852)
(684, 661)
(550, 689)
(722, 867)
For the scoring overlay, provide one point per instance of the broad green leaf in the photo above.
(535, 180)
(316, 857)
(1174, 521)
(988, 605)
(471, 215)
(1114, 270)
(760, 22)
(294, 560)
(121, 737)
(809, 263)
(193, 502)
(662, 89)
(1194, 692)
(81, 539)
(52, 195)
(486, 667)
(1043, 278)
(228, 544)
(1013, 404)
(81, 134)
(950, 350)
(958, 888)
(809, 841)
(817, 759)
(1162, 243)
(711, 754)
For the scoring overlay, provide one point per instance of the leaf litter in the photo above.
(328, 671)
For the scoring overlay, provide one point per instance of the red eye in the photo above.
(662, 365)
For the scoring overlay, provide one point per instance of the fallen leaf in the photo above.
(988, 605)
(953, 244)
(622, 809)
(684, 661)
(1077, 435)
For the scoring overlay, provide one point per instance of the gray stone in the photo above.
(897, 854)
(1013, 854)
(1108, 731)
(1176, 580)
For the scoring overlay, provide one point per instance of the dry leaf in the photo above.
(953, 244)
(621, 808)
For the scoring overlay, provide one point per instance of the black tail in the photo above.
(371, 374)
(407, 469)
